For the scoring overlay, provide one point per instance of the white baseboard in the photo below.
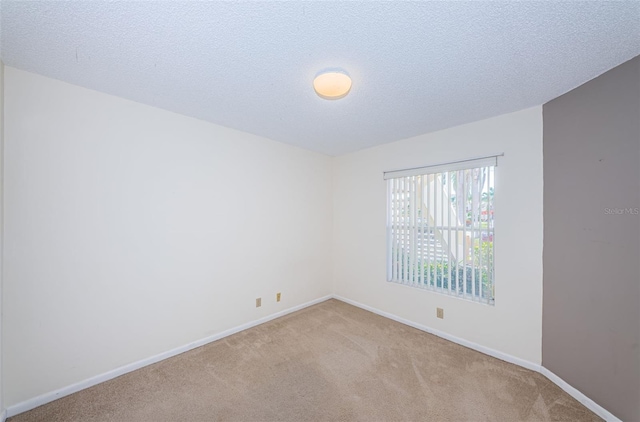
(90, 382)
(586, 401)
(471, 345)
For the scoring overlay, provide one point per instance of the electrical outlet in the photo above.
(440, 313)
(278, 297)
(258, 302)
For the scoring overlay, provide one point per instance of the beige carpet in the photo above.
(331, 361)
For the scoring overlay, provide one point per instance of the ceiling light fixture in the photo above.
(332, 85)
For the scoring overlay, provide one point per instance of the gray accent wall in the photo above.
(591, 297)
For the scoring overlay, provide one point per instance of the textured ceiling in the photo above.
(416, 66)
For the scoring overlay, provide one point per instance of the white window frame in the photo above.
(428, 245)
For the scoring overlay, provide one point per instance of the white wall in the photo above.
(131, 230)
(513, 325)
(1, 222)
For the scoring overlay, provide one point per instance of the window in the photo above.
(440, 228)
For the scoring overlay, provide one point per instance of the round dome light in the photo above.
(332, 85)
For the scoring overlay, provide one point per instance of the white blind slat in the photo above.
(442, 167)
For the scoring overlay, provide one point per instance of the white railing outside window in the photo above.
(440, 228)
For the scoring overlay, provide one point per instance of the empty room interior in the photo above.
(303, 211)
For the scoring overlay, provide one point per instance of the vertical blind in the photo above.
(440, 228)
